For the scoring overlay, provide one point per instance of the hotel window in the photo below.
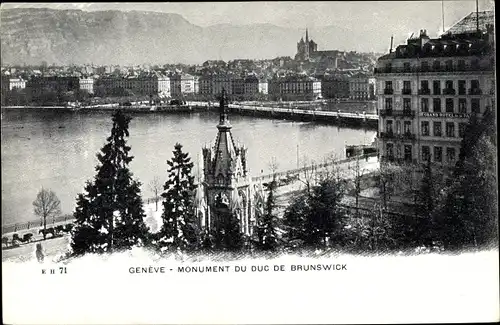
(388, 85)
(437, 129)
(426, 153)
(449, 105)
(407, 66)
(398, 127)
(436, 105)
(408, 154)
(461, 64)
(449, 65)
(406, 87)
(436, 87)
(407, 104)
(398, 150)
(450, 129)
(424, 87)
(388, 103)
(474, 86)
(461, 129)
(436, 65)
(450, 155)
(438, 154)
(461, 87)
(388, 127)
(424, 105)
(407, 127)
(389, 149)
(474, 64)
(424, 128)
(462, 105)
(475, 105)
(424, 65)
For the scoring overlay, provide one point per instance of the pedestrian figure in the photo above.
(39, 253)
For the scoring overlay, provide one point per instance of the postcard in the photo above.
(249, 162)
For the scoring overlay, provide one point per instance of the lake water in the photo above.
(57, 150)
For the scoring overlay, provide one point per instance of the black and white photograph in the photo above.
(249, 162)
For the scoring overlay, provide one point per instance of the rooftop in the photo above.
(468, 24)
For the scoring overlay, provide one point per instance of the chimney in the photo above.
(392, 39)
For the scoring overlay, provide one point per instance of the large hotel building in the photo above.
(428, 89)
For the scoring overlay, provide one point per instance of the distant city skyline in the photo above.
(392, 16)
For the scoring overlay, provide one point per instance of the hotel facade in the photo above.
(428, 90)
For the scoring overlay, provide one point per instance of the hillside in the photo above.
(108, 37)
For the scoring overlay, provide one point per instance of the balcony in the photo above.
(449, 91)
(388, 91)
(406, 91)
(424, 91)
(462, 91)
(475, 91)
(386, 112)
(387, 135)
(409, 113)
(436, 92)
(408, 136)
(483, 67)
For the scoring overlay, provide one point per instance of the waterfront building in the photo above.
(251, 85)
(181, 84)
(196, 85)
(222, 81)
(87, 84)
(205, 85)
(429, 88)
(226, 190)
(335, 86)
(40, 86)
(137, 85)
(362, 87)
(17, 83)
(295, 87)
(263, 86)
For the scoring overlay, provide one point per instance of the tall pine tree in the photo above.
(179, 225)
(267, 235)
(109, 214)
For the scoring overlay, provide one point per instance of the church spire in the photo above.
(307, 36)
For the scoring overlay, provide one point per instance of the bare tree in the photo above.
(385, 181)
(308, 174)
(273, 166)
(46, 205)
(156, 187)
(357, 174)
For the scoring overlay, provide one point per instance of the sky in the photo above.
(356, 15)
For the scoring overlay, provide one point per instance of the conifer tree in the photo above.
(178, 230)
(109, 214)
(267, 235)
(315, 216)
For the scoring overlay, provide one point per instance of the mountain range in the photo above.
(33, 35)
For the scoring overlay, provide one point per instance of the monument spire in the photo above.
(223, 109)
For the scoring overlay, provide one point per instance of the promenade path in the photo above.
(344, 169)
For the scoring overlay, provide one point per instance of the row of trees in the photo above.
(110, 215)
(458, 212)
